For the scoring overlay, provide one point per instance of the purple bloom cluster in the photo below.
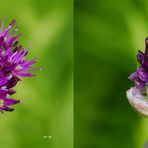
(140, 77)
(138, 95)
(12, 65)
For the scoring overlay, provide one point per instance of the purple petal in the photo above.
(8, 102)
(139, 84)
(13, 39)
(146, 45)
(24, 74)
(12, 82)
(13, 22)
(143, 74)
(6, 108)
(11, 91)
(26, 64)
(133, 76)
(140, 57)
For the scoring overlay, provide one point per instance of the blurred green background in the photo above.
(108, 34)
(47, 107)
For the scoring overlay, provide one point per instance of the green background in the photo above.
(108, 34)
(47, 107)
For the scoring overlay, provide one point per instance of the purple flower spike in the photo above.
(138, 95)
(13, 65)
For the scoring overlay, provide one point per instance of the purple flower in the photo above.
(138, 95)
(12, 64)
(140, 77)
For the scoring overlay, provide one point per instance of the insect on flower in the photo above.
(13, 64)
(138, 95)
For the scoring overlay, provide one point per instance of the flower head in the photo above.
(138, 95)
(13, 64)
